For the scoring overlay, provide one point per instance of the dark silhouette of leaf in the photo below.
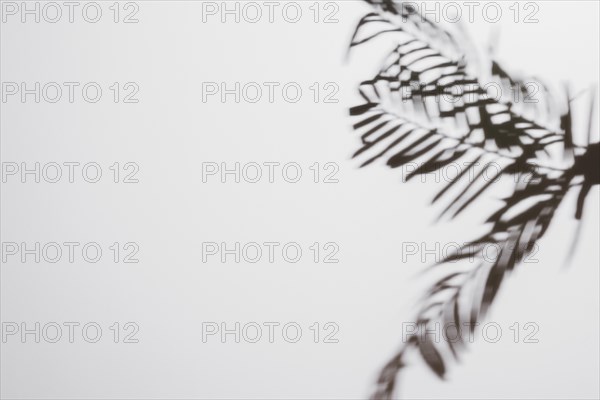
(432, 357)
(441, 114)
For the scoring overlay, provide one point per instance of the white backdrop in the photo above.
(170, 212)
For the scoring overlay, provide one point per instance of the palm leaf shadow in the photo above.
(426, 105)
